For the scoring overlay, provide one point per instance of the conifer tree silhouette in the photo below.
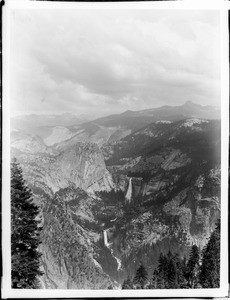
(25, 232)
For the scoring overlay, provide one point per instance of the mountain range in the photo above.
(69, 128)
(119, 190)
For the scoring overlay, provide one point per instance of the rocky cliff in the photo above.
(175, 203)
(61, 183)
(81, 165)
(69, 235)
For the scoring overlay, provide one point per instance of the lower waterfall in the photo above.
(118, 260)
(107, 244)
(128, 195)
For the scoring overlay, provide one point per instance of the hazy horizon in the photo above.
(103, 62)
(99, 116)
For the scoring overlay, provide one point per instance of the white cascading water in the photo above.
(129, 191)
(106, 239)
(117, 259)
(107, 244)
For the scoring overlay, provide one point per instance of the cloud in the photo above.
(107, 61)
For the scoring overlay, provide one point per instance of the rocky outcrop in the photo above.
(61, 184)
(81, 165)
(69, 260)
(175, 190)
(28, 143)
(197, 214)
(166, 219)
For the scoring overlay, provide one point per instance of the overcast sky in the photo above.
(107, 61)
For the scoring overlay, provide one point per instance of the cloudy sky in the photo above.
(100, 62)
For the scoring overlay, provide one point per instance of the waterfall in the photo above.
(118, 261)
(107, 244)
(106, 238)
(129, 191)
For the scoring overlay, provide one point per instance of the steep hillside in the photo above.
(67, 129)
(135, 120)
(92, 133)
(72, 238)
(170, 174)
(158, 189)
(193, 137)
(81, 165)
(69, 235)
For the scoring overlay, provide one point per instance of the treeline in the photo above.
(201, 270)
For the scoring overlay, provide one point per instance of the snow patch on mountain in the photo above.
(191, 122)
(163, 122)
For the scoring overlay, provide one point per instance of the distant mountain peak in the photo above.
(190, 103)
(128, 112)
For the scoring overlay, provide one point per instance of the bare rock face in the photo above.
(61, 184)
(28, 143)
(81, 165)
(197, 209)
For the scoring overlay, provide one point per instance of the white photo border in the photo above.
(222, 8)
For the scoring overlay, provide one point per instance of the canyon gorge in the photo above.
(120, 190)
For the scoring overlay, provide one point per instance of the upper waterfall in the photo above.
(107, 244)
(129, 191)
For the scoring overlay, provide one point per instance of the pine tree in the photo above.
(180, 269)
(127, 284)
(153, 284)
(170, 272)
(192, 267)
(210, 267)
(162, 269)
(141, 277)
(25, 232)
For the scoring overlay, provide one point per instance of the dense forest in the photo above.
(201, 270)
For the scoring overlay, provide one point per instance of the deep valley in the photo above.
(118, 191)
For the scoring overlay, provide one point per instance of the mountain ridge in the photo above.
(171, 173)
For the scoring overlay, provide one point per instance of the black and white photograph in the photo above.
(116, 153)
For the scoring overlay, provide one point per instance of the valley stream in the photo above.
(108, 245)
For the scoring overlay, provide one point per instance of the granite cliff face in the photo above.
(69, 258)
(81, 165)
(61, 183)
(105, 210)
